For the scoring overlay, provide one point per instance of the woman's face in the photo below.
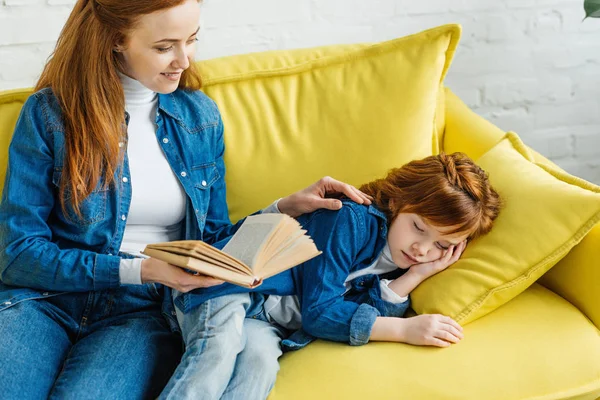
(162, 46)
(413, 241)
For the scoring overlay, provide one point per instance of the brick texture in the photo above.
(531, 66)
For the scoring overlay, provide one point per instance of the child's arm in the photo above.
(427, 329)
(406, 283)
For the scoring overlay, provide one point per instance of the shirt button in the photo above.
(45, 294)
(184, 174)
(165, 140)
(203, 183)
(123, 217)
(121, 144)
(125, 179)
(8, 303)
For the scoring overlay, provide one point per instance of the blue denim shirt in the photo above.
(351, 239)
(44, 252)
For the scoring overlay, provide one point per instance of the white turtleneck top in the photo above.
(158, 200)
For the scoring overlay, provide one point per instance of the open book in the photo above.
(265, 245)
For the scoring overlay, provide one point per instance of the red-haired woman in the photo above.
(373, 257)
(116, 148)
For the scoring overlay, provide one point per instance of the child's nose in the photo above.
(420, 249)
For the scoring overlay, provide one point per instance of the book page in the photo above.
(251, 237)
(205, 268)
(264, 245)
(193, 248)
(303, 249)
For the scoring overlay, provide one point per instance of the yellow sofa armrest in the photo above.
(576, 277)
(465, 131)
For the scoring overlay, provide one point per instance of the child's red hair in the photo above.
(447, 190)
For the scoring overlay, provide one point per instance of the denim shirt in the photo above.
(45, 252)
(351, 239)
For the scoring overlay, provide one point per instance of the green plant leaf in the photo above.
(592, 8)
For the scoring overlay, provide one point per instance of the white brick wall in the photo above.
(531, 66)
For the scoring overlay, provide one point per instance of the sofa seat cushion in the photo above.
(537, 346)
(348, 111)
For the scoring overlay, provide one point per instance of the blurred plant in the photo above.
(592, 8)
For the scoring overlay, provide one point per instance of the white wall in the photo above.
(531, 66)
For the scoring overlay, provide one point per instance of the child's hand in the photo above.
(430, 330)
(449, 257)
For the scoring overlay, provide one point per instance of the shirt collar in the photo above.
(168, 104)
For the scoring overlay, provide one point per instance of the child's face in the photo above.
(413, 241)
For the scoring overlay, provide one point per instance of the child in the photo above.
(424, 214)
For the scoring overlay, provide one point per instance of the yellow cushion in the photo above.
(546, 213)
(11, 102)
(538, 346)
(351, 112)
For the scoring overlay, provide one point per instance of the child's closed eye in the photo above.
(417, 227)
(439, 245)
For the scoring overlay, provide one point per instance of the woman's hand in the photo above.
(318, 196)
(430, 330)
(154, 270)
(449, 257)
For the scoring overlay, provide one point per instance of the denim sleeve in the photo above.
(367, 289)
(218, 226)
(325, 313)
(28, 257)
(386, 308)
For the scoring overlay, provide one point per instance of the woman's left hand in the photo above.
(318, 196)
(449, 257)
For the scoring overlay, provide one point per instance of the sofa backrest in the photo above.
(348, 111)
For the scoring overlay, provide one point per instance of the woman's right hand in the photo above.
(430, 330)
(154, 270)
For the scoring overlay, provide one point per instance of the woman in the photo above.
(100, 163)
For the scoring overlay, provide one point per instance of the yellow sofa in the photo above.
(543, 344)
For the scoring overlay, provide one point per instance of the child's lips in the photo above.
(410, 258)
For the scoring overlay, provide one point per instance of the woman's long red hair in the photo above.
(447, 190)
(82, 73)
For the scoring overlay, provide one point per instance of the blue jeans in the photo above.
(231, 352)
(105, 344)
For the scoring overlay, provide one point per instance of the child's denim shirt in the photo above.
(44, 251)
(351, 239)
